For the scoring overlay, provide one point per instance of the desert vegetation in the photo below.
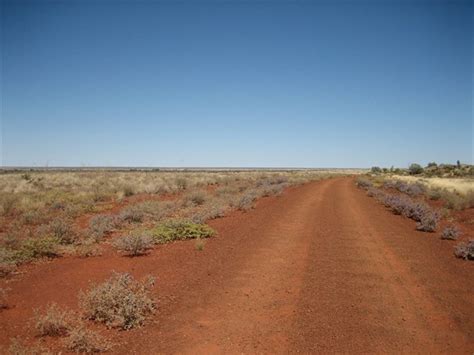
(465, 250)
(46, 214)
(426, 217)
(426, 200)
(121, 301)
(51, 214)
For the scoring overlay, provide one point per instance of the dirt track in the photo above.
(323, 268)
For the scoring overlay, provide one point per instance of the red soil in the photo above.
(323, 268)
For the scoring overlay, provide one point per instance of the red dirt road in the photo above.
(322, 268)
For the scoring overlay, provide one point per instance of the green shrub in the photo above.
(179, 229)
(415, 169)
(37, 248)
(121, 301)
(375, 170)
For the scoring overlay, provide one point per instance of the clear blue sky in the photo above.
(236, 83)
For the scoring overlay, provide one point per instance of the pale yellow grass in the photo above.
(460, 185)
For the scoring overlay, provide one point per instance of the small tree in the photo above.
(415, 169)
(458, 163)
(376, 170)
(432, 165)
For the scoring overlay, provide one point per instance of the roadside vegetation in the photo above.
(51, 214)
(432, 196)
(47, 214)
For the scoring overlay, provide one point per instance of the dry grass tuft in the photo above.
(53, 322)
(83, 340)
(17, 347)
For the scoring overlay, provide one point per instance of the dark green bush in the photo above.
(415, 169)
(179, 229)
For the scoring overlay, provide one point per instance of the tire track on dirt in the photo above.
(364, 295)
(250, 307)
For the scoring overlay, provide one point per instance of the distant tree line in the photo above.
(431, 169)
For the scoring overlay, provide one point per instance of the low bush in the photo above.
(155, 209)
(181, 183)
(134, 244)
(196, 198)
(132, 214)
(273, 190)
(38, 247)
(208, 212)
(402, 205)
(375, 170)
(434, 194)
(246, 202)
(128, 190)
(8, 202)
(12, 239)
(179, 229)
(415, 169)
(227, 190)
(83, 340)
(88, 248)
(450, 233)
(364, 183)
(61, 230)
(412, 189)
(17, 347)
(465, 250)
(33, 217)
(100, 225)
(121, 301)
(428, 222)
(54, 322)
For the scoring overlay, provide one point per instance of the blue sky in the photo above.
(236, 83)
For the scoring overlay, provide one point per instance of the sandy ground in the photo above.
(322, 268)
